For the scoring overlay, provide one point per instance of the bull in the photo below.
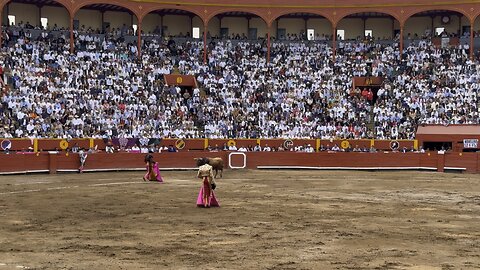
(216, 163)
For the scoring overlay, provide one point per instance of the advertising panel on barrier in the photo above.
(470, 143)
(195, 144)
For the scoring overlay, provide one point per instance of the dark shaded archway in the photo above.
(105, 18)
(34, 17)
(474, 36)
(296, 26)
(442, 27)
(237, 25)
(32, 11)
(171, 23)
(369, 25)
(425, 24)
(105, 22)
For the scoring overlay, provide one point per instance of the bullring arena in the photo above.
(267, 220)
(348, 132)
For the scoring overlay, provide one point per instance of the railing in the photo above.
(35, 33)
(41, 145)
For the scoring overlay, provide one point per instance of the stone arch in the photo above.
(412, 12)
(262, 28)
(355, 11)
(61, 4)
(148, 21)
(449, 8)
(310, 11)
(106, 2)
(368, 13)
(151, 9)
(57, 1)
(226, 10)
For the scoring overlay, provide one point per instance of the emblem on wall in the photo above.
(6, 144)
(394, 145)
(123, 142)
(288, 144)
(143, 141)
(180, 144)
(63, 144)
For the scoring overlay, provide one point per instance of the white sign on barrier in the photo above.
(238, 154)
(470, 143)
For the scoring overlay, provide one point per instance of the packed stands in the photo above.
(104, 90)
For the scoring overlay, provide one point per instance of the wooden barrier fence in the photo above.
(54, 162)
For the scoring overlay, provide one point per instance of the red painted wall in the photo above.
(182, 160)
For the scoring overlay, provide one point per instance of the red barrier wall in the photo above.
(30, 162)
(62, 161)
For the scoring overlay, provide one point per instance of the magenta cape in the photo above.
(156, 170)
(213, 199)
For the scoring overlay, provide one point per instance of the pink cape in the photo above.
(156, 170)
(213, 199)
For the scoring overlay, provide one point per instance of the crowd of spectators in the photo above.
(103, 90)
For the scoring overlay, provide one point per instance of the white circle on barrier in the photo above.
(238, 154)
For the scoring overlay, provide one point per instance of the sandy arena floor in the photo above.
(268, 220)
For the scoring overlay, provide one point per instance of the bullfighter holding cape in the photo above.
(153, 171)
(206, 196)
